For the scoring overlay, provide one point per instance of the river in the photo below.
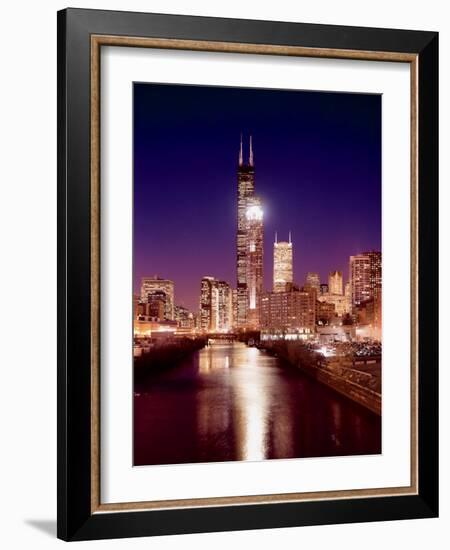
(232, 402)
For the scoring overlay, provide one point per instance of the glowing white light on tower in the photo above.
(254, 212)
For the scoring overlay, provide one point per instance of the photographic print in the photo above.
(257, 272)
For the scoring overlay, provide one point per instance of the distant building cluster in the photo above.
(314, 309)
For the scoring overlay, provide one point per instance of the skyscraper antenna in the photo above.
(276, 239)
(289, 237)
(250, 160)
(241, 158)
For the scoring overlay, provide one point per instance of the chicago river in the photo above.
(228, 401)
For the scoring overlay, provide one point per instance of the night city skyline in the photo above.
(251, 209)
(317, 163)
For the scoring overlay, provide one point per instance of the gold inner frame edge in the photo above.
(97, 41)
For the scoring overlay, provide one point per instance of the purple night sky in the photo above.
(317, 169)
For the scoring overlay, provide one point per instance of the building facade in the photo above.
(156, 305)
(216, 305)
(313, 281)
(249, 245)
(254, 272)
(288, 315)
(325, 312)
(365, 277)
(338, 300)
(335, 283)
(151, 285)
(348, 297)
(368, 316)
(184, 318)
(283, 275)
(324, 288)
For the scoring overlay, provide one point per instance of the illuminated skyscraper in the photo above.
(365, 277)
(249, 249)
(348, 297)
(254, 272)
(313, 281)
(216, 306)
(282, 265)
(335, 283)
(150, 285)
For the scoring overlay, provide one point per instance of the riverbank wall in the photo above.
(165, 356)
(334, 373)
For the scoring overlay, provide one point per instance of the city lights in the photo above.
(254, 213)
(289, 311)
(264, 321)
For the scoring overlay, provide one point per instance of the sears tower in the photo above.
(249, 257)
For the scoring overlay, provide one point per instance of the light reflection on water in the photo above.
(251, 408)
(231, 402)
(249, 397)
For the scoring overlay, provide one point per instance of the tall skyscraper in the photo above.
(335, 283)
(348, 297)
(365, 277)
(150, 285)
(313, 281)
(282, 265)
(216, 305)
(249, 253)
(254, 217)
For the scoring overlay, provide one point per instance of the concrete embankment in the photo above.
(317, 367)
(164, 356)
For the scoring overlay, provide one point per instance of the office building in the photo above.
(335, 283)
(313, 281)
(365, 277)
(249, 244)
(288, 315)
(282, 265)
(216, 305)
(150, 285)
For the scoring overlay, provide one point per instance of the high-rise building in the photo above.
(335, 283)
(208, 300)
(149, 285)
(254, 274)
(365, 277)
(216, 305)
(348, 297)
(234, 307)
(249, 253)
(282, 265)
(313, 281)
(156, 305)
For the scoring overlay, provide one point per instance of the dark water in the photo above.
(231, 402)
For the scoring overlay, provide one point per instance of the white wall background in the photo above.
(28, 270)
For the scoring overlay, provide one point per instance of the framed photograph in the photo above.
(247, 252)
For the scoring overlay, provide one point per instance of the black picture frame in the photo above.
(75, 518)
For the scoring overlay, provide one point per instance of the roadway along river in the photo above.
(231, 402)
